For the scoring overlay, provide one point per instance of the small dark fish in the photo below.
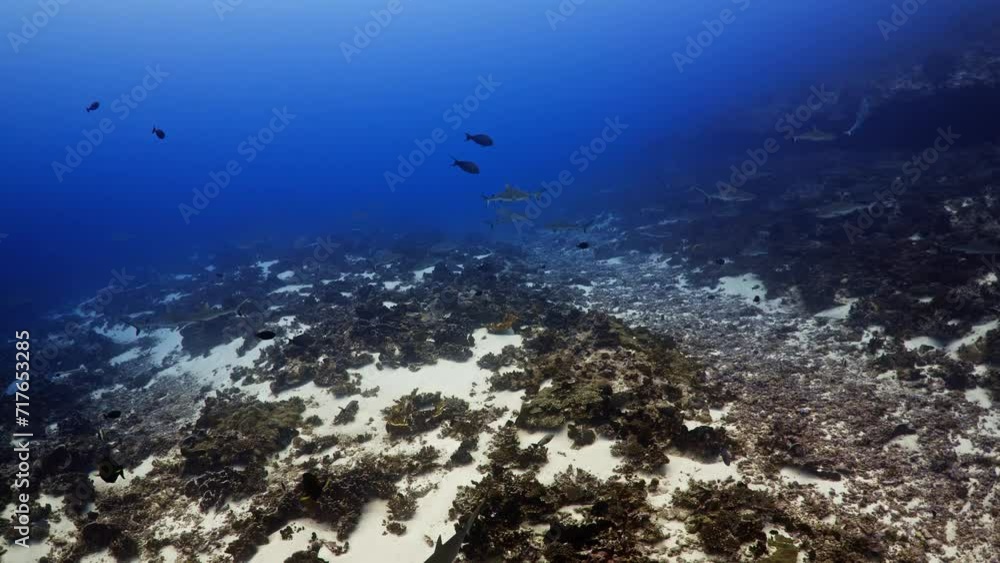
(479, 293)
(311, 486)
(480, 139)
(266, 334)
(720, 261)
(466, 166)
(583, 245)
(158, 132)
(219, 275)
(111, 415)
(711, 296)
(93, 106)
(109, 470)
(756, 298)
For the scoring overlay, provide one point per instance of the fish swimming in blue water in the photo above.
(480, 139)
(466, 165)
(93, 106)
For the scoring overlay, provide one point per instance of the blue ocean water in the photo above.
(362, 85)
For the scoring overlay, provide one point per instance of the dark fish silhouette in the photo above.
(480, 139)
(756, 298)
(266, 334)
(111, 415)
(109, 470)
(466, 166)
(93, 106)
(583, 245)
(447, 552)
(158, 132)
(311, 486)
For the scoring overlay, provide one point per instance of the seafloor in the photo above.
(670, 393)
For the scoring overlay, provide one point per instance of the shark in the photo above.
(976, 247)
(838, 209)
(562, 226)
(730, 195)
(505, 216)
(510, 194)
(177, 320)
(447, 552)
(815, 136)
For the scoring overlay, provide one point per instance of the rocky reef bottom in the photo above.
(582, 409)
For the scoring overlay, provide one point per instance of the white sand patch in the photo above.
(925, 299)
(964, 447)
(481, 256)
(286, 275)
(168, 343)
(833, 489)
(682, 546)
(367, 275)
(681, 470)
(210, 268)
(291, 326)
(979, 396)
(130, 354)
(389, 304)
(182, 277)
(977, 332)
(214, 369)
(299, 288)
(586, 289)
(391, 285)
(346, 293)
(987, 279)
(748, 287)
(909, 442)
(99, 394)
(119, 333)
(595, 458)
(615, 261)
(139, 314)
(918, 341)
(839, 312)
(418, 275)
(62, 531)
(339, 278)
(278, 549)
(265, 267)
(171, 297)
(464, 380)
